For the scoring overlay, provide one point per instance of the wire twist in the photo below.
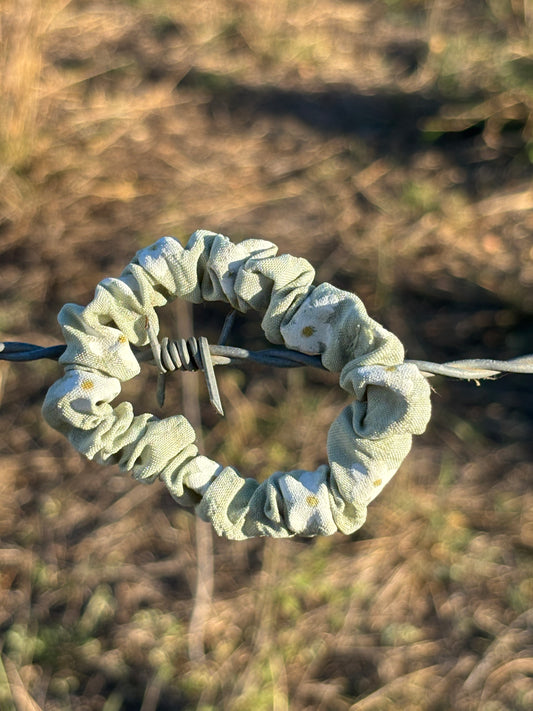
(193, 354)
(476, 368)
(181, 354)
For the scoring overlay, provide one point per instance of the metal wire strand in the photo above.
(15, 351)
(477, 368)
(192, 354)
(172, 355)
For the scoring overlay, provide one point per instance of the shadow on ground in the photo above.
(390, 123)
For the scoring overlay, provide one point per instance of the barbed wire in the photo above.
(476, 368)
(195, 354)
(470, 369)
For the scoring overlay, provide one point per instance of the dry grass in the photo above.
(390, 143)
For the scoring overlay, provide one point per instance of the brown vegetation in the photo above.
(389, 142)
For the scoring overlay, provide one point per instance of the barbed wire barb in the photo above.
(468, 369)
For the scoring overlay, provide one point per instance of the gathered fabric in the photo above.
(365, 444)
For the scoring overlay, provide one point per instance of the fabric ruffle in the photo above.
(366, 443)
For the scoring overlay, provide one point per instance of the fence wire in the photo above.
(470, 369)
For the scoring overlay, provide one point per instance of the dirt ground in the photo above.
(390, 143)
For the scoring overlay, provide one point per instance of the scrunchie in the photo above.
(366, 443)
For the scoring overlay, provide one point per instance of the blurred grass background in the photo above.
(390, 142)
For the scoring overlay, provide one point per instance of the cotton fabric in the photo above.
(365, 444)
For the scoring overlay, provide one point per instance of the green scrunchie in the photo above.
(366, 443)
